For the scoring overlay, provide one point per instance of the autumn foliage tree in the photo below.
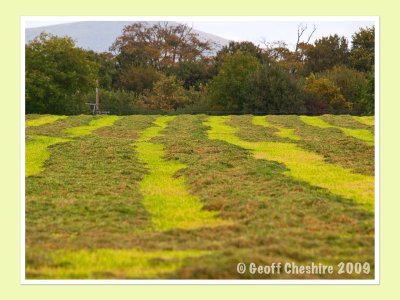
(323, 96)
(167, 94)
(152, 49)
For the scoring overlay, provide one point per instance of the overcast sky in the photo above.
(257, 30)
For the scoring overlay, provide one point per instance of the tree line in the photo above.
(164, 68)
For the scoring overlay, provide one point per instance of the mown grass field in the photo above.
(189, 197)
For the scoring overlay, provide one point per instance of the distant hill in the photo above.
(99, 35)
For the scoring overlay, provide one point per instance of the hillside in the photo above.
(99, 35)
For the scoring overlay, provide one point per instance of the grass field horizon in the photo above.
(191, 196)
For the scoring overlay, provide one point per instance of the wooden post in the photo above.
(97, 97)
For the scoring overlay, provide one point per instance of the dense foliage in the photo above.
(171, 69)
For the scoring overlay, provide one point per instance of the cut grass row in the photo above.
(165, 196)
(111, 263)
(43, 120)
(302, 164)
(331, 143)
(37, 146)
(361, 134)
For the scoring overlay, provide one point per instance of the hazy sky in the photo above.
(257, 30)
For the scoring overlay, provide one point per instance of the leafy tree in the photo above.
(368, 95)
(326, 53)
(323, 96)
(167, 94)
(138, 78)
(245, 85)
(192, 73)
(244, 47)
(352, 84)
(107, 73)
(56, 71)
(274, 91)
(158, 46)
(230, 89)
(362, 53)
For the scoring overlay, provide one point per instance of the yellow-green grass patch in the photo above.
(43, 120)
(93, 125)
(37, 152)
(366, 120)
(282, 132)
(361, 134)
(166, 196)
(303, 165)
(111, 263)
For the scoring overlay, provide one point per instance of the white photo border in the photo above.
(374, 281)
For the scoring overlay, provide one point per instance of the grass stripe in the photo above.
(37, 152)
(166, 196)
(366, 120)
(303, 165)
(282, 132)
(361, 134)
(110, 263)
(93, 125)
(43, 120)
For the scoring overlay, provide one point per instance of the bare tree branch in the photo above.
(300, 31)
(311, 34)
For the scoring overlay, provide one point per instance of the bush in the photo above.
(323, 96)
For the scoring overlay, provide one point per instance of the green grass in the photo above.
(361, 134)
(367, 120)
(336, 147)
(43, 120)
(302, 164)
(93, 125)
(166, 197)
(282, 132)
(37, 152)
(111, 263)
(87, 215)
